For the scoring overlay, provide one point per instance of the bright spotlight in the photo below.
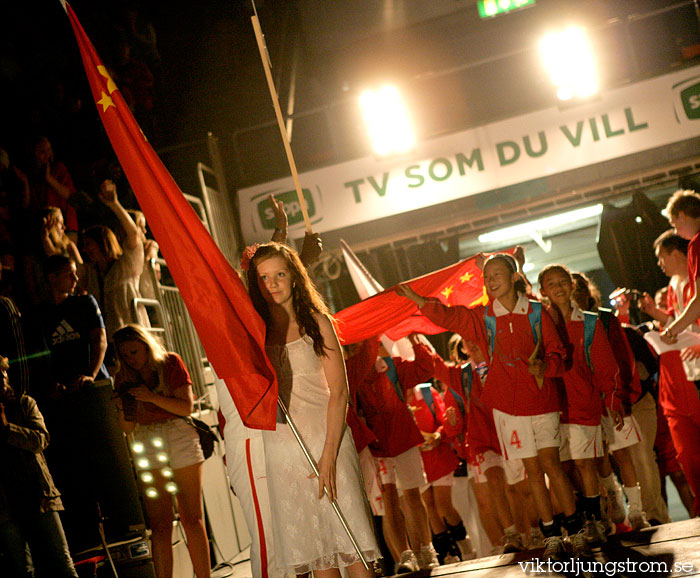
(143, 463)
(162, 457)
(151, 492)
(568, 56)
(137, 447)
(171, 487)
(387, 121)
(166, 473)
(157, 442)
(146, 477)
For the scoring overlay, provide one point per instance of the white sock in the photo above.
(609, 482)
(510, 530)
(634, 498)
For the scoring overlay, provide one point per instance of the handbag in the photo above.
(207, 437)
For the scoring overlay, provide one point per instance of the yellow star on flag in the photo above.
(447, 291)
(106, 101)
(466, 277)
(483, 300)
(111, 87)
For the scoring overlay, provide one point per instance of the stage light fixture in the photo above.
(137, 447)
(387, 121)
(162, 457)
(143, 463)
(146, 477)
(534, 229)
(166, 473)
(171, 487)
(569, 58)
(157, 442)
(151, 493)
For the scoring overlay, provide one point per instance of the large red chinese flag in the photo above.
(387, 312)
(231, 331)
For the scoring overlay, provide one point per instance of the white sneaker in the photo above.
(536, 539)
(427, 557)
(579, 544)
(638, 520)
(554, 549)
(512, 542)
(407, 563)
(595, 532)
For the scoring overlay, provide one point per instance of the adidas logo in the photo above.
(64, 332)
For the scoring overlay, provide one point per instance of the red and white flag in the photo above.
(231, 331)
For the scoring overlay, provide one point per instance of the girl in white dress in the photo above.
(306, 354)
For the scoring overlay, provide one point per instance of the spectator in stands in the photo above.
(51, 185)
(155, 393)
(150, 251)
(54, 239)
(14, 199)
(114, 271)
(31, 534)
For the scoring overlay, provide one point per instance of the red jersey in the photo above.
(357, 368)
(677, 395)
(584, 387)
(440, 459)
(630, 389)
(509, 387)
(451, 377)
(385, 412)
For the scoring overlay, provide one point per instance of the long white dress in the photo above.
(307, 533)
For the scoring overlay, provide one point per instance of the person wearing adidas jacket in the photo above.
(524, 351)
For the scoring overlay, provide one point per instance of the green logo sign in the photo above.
(291, 207)
(489, 8)
(690, 97)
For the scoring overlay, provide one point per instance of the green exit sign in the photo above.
(488, 8)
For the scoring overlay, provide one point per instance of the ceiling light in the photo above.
(387, 121)
(569, 59)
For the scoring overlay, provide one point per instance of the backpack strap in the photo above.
(393, 376)
(459, 400)
(535, 318)
(425, 389)
(589, 323)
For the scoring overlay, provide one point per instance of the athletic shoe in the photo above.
(427, 557)
(616, 505)
(638, 520)
(579, 544)
(449, 559)
(407, 563)
(535, 540)
(554, 549)
(595, 532)
(512, 542)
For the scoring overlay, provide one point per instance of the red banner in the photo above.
(231, 331)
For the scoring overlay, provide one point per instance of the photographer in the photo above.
(30, 528)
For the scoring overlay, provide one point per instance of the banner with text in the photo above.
(642, 116)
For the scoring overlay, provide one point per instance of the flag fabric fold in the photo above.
(396, 316)
(231, 331)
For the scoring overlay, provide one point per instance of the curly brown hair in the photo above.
(306, 300)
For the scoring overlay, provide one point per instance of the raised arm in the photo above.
(334, 370)
(108, 195)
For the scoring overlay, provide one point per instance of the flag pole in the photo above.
(264, 56)
(314, 467)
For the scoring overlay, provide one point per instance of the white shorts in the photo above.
(446, 480)
(514, 469)
(405, 471)
(617, 440)
(180, 444)
(521, 436)
(564, 448)
(582, 442)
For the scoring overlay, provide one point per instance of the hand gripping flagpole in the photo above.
(314, 467)
(280, 120)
